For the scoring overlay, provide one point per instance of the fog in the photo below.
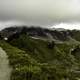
(44, 13)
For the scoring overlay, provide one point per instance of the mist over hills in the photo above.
(40, 39)
(55, 34)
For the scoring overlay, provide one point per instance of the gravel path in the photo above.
(5, 69)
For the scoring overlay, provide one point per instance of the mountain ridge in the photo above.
(42, 33)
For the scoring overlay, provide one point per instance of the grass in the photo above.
(33, 60)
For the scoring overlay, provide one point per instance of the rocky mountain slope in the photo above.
(42, 54)
(42, 33)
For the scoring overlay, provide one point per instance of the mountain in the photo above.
(42, 54)
(57, 35)
(42, 33)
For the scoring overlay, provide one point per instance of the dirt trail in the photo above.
(5, 70)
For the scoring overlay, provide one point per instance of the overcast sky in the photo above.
(40, 12)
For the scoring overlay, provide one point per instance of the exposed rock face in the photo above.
(61, 35)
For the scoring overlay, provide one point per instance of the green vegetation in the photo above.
(76, 35)
(33, 59)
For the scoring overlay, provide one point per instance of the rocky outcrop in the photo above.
(37, 32)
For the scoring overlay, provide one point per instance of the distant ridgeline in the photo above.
(41, 33)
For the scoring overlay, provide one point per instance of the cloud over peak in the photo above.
(40, 12)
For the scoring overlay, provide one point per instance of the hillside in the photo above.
(42, 59)
(42, 33)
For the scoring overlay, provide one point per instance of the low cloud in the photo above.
(40, 12)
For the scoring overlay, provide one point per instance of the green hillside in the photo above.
(35, 59)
